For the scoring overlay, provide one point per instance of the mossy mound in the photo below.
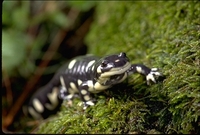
(158, 34)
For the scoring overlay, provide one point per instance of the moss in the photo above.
(157, 34)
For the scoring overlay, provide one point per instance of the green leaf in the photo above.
(82, 5)
(13, 49)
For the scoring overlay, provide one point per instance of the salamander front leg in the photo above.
(64, 93)
(150, 74)
(85, 95)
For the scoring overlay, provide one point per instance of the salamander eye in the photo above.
(104, 63)
(122, 54)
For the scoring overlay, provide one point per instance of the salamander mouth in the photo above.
(114, 79)
(116, 71)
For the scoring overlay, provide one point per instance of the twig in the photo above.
(33, 80)
(38, 73)
(7, 83)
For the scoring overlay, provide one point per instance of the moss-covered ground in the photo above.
(158, 34)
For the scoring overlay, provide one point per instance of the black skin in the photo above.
(81, 71)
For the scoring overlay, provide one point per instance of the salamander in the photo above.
(83, 76)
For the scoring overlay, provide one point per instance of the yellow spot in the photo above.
(117, 60)
(98, 70)
(34, 113)
(89, 103)
(79, 82)
(98, 87)
(62, 81)
(90, 85)
(37, 105)
(73, 86)
(71, 64)
(53, 99)
(139, 69)
(83, 92)
(93, 68)
(71, 91)
(86, 97)
(90, 63)
(70, 96)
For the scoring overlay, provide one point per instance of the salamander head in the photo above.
(112, 69)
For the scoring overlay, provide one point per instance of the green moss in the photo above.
(157, 34)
